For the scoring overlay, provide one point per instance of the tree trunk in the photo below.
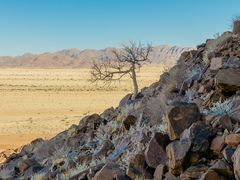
(135, 84)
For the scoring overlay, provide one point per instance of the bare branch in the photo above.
(121, 62)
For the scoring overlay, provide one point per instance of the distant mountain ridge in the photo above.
(76, 58)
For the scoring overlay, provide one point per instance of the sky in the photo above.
(36, 26)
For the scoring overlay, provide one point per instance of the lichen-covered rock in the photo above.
(180, 117)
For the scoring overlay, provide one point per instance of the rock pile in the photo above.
(186, 126)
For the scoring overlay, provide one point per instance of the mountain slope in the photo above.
(75, 58)
(185, 126)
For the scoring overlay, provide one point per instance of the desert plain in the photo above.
(39, 103)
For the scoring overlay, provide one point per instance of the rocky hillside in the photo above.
(185, 126)
(75, 58)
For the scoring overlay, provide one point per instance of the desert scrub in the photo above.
(190, 95)
(127, 109)
(227, 107)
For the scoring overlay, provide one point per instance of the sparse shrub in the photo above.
(222, 108)
(190, 94)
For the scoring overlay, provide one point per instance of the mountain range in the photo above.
(76, 58)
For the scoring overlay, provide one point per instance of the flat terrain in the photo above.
(42, 102)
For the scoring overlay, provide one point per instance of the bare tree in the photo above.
(121, 62)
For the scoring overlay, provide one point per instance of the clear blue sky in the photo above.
(50, 25)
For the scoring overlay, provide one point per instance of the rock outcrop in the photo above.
(185, 126)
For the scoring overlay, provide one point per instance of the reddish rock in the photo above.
(169, 176)
(92, 121)
(194, 172)
(223, 122)
(106, 148)
(159, 172)
(129, 121)
(233, 139)
(22, 166)
(198, 134)
(109, 114)
(181, 117)
(216, 63)
(155, 153)
(122, 177)
(222, 168)
(218, 144)
(211, 175)
(137, 168)
(236, 163)
(201, 89)
(109, 171)
(176, 153)
(227, 80)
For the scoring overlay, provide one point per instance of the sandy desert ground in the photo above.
(43, 102)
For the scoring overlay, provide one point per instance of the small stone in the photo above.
(223, 122)
(218, 144)
(122, 177)
(106, 148)
(170, 176)
(109, 171)
(22, 165)
(129, 121)
(233, 139)
(211, 175)
(216, 63)
(194, 172)
(159, 172)
(201, 89)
